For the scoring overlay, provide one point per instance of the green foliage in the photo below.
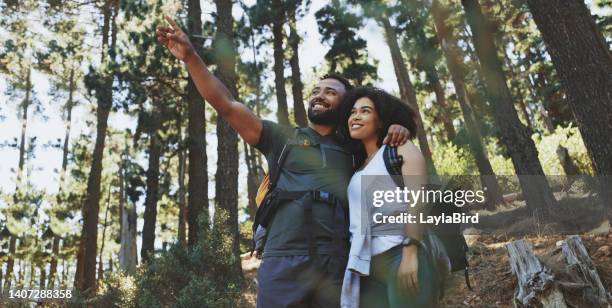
(117, 290)
(568, 137)
(197, 277)
(453, 160)
(347, 55)
(246, 232)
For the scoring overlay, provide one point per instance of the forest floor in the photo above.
(490, 276)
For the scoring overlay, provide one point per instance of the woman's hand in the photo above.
(407, 273)
(175, 40)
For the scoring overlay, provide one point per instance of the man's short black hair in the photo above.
(347, 84)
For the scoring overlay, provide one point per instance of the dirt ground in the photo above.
(490, 275)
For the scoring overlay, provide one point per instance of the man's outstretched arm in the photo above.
(239, 116)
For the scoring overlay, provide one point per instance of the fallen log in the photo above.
(536, 286)
(582, 268)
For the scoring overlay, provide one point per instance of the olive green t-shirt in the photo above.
(316, 163)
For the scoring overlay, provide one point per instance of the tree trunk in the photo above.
(24, 124)
(226, 178)
(282, 112)
(67, 125)
(20, 181)
(182, 238)
(10, 262)
(100, 260)
(197, 200)
(447, 119)
(150, 214)
(407, 92)
(297, 87)
(583, 269)
(457, 70)
(65, 150)
(42, 279)
(583, 61)
(427, 61)
(254, 177)
(127, 252)
(53, 263)
(86, 265)
(518, 95)
(536, 287)
(514, 135)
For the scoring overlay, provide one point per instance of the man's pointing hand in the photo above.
(175, 40)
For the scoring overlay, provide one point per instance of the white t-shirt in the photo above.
(376, 166)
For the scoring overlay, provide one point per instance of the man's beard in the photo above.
(327, 117)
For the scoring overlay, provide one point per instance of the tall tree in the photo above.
(348, 52)
(197, 198)
(182, 160)
(252, 92)
(582, 59)
(273, 13)
(131, 186)
(16, 66)
(514, 135)
(413, 18)
(226, 178)
(407, 92)
(297, 87)
(61, 62)
(454, 62)
(155, 152)
(102, 81)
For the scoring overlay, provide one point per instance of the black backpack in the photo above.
(450, 236)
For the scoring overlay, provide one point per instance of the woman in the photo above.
(391, 270)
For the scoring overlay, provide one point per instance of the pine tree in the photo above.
(100, 80)
(226, 178)
(582, 59)
(347, 55)
(514, 135)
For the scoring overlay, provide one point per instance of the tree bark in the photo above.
(150, 214)
(100, 260)
(20, 181)
(86, 266)
(65, 150)
(447, 119)
(535, 281)
(518, 94)
(583, 61)
(10, 262)
(254, 177)
(197, 200)
(297, 87)
(282, 112)
(514, 135)
(457, 70)
(182, 237)
(407, 92)
(226, 178)
(582, 269)
(24, 124)
(128, 258)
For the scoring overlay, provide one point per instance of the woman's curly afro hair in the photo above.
(390, 109)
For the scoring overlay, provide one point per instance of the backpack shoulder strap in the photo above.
(277, 164)
(393, 163)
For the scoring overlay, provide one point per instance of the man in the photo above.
(303, 233)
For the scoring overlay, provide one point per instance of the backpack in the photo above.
(269, 198)
(446, 242)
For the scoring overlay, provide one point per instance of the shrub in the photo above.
(201, 276)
